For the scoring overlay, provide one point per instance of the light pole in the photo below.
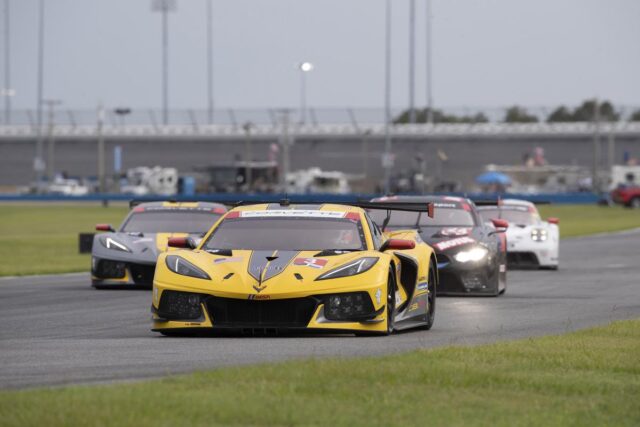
(164, 6)
(412, 60)
(7, 92)
(429, 65)
(101, 156)
(210, 60)
(38, 163)
(247, 155)
(51, 147)
(387, 157)
(305, 67)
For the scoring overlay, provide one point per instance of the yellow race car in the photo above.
(278, 266)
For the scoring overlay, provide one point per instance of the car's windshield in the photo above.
(450, 217)
(193, 222)
(521, 216)
(287, 234)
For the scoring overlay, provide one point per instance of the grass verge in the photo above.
(582, 220)
(43, 238)
(590, 377)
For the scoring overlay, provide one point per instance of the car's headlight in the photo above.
(475, 254)
(181, 266)
(539, 234)
(356, 267)
(110, 243)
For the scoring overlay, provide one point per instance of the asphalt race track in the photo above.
(58, 330)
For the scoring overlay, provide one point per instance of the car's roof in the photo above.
(181, 205)
(298, 207)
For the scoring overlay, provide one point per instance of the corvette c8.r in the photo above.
(321, 267)
(127, 256)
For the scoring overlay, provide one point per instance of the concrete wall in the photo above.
(467, 155)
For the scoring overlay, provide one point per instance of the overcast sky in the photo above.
(486, 52)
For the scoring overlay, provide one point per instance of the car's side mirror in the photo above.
(181, 242)
(104, 227)
(553, 220)
(501, 225)
(397, 244)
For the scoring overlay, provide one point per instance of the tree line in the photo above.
(588, 111)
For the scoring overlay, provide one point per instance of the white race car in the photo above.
(531, 242)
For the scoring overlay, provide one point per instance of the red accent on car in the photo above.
(233, 215)
(353, 216)
(138, 209)
(103, 227)
(553, 220)
(178, 242)
(400, 244)
(500, 223)
(466, 207)
(431, 210)
(220, 211)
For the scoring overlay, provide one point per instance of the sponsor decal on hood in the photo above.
(311, 262)
(225, 260)
(448, 244)
(453, 232)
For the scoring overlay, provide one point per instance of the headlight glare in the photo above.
(110, 243)
(475, 254)
(539, 234)
(183, 267)
(351, 269)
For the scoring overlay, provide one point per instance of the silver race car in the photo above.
(127, 256)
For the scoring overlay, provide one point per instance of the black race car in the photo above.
(471, 254)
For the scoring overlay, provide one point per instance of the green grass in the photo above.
(591, 377)
(43, 238)
(580, 220)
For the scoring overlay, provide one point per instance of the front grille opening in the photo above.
(522, 259)
(106, 269)
(176, 305)
(349, 306)
(230, 312)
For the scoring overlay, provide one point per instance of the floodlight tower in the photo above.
(164, 7)
(305, 67)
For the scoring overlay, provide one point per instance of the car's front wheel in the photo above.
(431, 300)
(391, 302)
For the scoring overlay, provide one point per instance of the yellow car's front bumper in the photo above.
(308, 311)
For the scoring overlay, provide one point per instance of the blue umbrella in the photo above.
(489, 178)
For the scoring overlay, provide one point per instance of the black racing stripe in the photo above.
(257, 263)
(279, 264)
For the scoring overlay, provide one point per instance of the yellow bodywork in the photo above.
(230, 278)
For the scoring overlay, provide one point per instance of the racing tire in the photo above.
(391, 302)
(634, 203)
(390, 308)
(431, 311)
